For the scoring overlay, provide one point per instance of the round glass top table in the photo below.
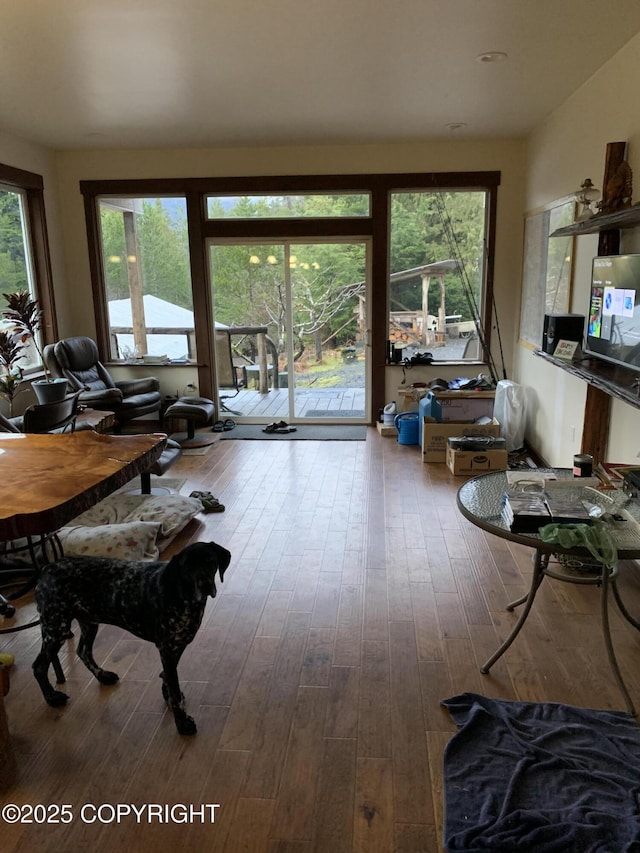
(481, 501)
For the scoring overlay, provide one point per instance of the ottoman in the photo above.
(196, 411)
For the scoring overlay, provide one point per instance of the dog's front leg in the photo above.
(185, 724)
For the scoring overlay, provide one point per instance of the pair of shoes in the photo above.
(208, 501)
(276, 426)
(281, 427)
(223, 426)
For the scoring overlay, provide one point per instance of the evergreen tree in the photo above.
(13, 264)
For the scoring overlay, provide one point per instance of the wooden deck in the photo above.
(335, 403)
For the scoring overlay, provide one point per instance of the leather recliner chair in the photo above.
(78, 360)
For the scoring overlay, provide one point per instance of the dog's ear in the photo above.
(219, 558)
(190, 574)
(224, 558)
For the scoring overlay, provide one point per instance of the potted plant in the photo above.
(10, 372)
(24, 316)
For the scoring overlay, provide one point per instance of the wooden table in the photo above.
(46, 480)
(95, 419)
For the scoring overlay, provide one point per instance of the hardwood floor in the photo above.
(357, 599)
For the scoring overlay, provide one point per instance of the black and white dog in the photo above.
(162, 602)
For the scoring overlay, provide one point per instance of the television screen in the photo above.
(613, 330)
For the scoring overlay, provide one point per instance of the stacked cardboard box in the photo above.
(471, 462)
(466, 405)
(435, 436)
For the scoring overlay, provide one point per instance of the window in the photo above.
(396, 214)
(24, 255)
(307, 205)
(145, 255)
(436, 293)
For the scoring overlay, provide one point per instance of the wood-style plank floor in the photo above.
(357, 599)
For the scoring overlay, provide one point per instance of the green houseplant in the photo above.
(24, 318)
(10, 372)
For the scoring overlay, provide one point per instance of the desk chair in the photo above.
(10, 424)
(52, 417)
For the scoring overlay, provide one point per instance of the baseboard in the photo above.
(537, 457)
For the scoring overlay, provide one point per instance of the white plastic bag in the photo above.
(509, 411)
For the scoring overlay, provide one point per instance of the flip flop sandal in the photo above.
(284, 430)
(228, 424)
(270, 428)
(217, 427)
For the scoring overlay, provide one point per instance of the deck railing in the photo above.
(265, 345)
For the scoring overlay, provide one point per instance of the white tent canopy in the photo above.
(158, 314)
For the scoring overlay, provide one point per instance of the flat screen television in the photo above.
(613, 330)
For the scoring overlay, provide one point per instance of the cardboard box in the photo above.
(471, 462)
(457, 406)
(434, 436)
(462, 406)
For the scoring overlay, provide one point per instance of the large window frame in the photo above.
(30, 186)
(129, 265)
(376, 227)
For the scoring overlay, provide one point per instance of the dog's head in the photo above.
(191, 573)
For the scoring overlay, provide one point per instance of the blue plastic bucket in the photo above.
(407, 426)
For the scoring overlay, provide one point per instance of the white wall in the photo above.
(562, 152)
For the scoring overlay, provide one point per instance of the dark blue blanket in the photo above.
(529, 777)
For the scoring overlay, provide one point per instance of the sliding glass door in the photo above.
(295, 316)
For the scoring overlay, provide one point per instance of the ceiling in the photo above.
(158, 73)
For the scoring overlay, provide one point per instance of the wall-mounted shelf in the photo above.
(604, 381)
(628, 218)
(615, 381)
